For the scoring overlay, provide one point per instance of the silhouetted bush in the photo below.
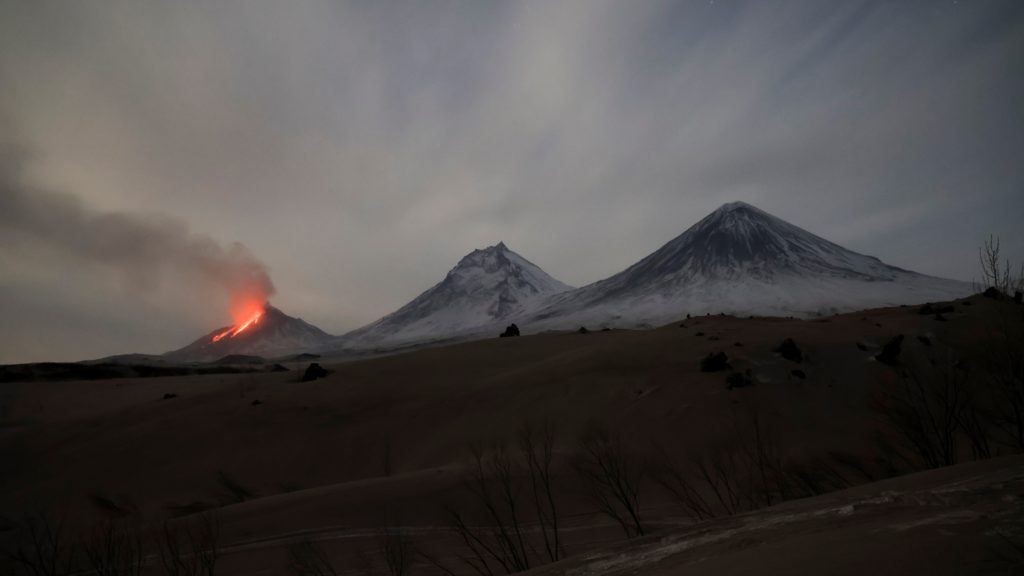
(714, 362)
(790, 351)
(511, 330)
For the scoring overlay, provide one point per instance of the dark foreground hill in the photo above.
(385, 446)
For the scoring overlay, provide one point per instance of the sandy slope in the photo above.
(312, 456)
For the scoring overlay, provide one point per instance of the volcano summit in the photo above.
(267, 333)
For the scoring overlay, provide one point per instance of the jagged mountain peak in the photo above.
(490, 257)
(486, 287)
(496, 265)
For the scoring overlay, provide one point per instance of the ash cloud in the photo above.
(138, 245)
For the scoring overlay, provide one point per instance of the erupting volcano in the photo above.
(240, 327)
(259, 330)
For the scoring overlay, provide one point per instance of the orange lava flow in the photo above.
(238, 329)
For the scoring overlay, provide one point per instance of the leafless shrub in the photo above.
(1004, 358)
(997, 272)
(745, 471)
(932, 409)
(816, 476)
(685, 489)
(509, 488)
(537, 448)
(115, 550)
(501, 544)
(435, 562)
(43, 547)
(307, 558)
(234, 490)
(398, 550)
(612, 477)
(1004, 364)
(186, 550)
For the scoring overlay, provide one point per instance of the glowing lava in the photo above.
(240, 327)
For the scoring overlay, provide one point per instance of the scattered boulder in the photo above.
(924, 340)
(714, 338)
(510, 330)
(790, 351)
(940, 317)
(737, 344)
(170, 395)
(583, 330)
(890, 353)
(738, 380)
(257, 402)
(799, 374)
(698, 334)
(606, 329)
(313, 372)
(714, 362)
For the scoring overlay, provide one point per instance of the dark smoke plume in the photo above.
(140, 245)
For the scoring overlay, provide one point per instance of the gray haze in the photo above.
(360, 149)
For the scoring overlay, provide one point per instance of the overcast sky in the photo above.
(358, 150)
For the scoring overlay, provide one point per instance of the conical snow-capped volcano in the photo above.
(742, 260)
(488, 287)
(741, 242)
(271, 333)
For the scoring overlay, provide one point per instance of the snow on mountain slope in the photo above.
(742, 260)
(487, 289)
(274, 334)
